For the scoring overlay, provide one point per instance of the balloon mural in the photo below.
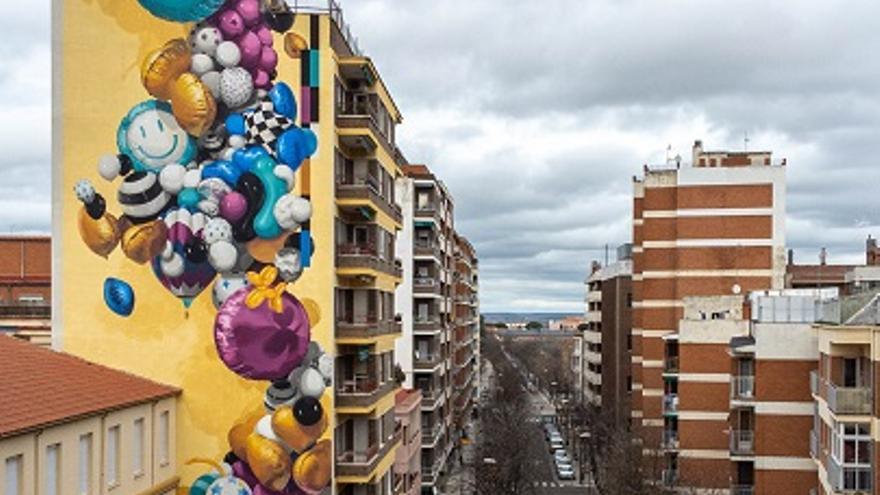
(205, 173)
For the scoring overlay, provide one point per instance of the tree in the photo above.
(534, 325)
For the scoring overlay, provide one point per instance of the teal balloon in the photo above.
(189, 198)
(182, 10)
(118, 296)
(202, 483)
(265, 224)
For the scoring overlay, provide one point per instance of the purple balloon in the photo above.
(268, 59)
(262, 79)
(230, 23)
(249, 11)
(251, 49)
(259, 343)
(265, 34)
(233, 206)
(196, 276)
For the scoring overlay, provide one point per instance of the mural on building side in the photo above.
(205, 174)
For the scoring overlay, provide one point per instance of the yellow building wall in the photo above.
(98, 49)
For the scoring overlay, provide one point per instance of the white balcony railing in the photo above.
(742, 387)
(742, 442)
(848, 400)
(670, 404)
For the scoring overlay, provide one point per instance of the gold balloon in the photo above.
(264, 250)
(313, 310)
(144, 241)
(313, 469)
(268, 460)
(239, 434)
(193, 104)
(295, 434)
(101, 235)
(164, 66)
(294, 44)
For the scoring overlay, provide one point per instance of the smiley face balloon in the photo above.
(152, 138)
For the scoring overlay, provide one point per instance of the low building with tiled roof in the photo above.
(71, 426)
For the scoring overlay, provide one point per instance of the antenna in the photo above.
(746, 141)
(668, 150)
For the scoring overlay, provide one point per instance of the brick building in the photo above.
(25, 287)
(712, 228)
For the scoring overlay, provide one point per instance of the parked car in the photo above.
(561, 456)
(556, 445)
(565, 473)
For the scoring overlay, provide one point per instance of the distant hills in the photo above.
(543, 318)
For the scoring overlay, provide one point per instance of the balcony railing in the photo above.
(742, 387)
(23, 310)
(426, 249)
(669, 477)
(670, 404)
(365, 256)
(849, 479)
(814, 445)
(848, 400)
(426, 285)
(430, 324)
(368, 188)
(361, 391)
(742, 490)
(670, 364)
(742, 442)
(361, 112)
(427, 360)
(353, 462)
(814, 382)
(670, 439)
(369, 326)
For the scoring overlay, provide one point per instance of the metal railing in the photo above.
(814, 382)
(742, 442)
(742, 489)
(670, 364)
(670, 404)
(669, 477)
(742, 387)
(814, 445)
(329, 7)
(670, 439)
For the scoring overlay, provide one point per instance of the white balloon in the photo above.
(205, 39)
(168, 252)
(311, 383)
(222, 256)
(236, 141)
(228, 54)
(226, 285)
(290, 211)
(109, 167)
(217, 230)
(201, 64)
(285, 173)
(236, 86)
(172, 267)
(212, 81)
(171, 178)
(192, 178)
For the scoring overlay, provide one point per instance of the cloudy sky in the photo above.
(538, 113)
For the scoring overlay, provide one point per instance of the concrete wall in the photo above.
(403, 295)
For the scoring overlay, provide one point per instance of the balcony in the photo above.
(670, 365)
(361, 391)
(361, 112)
(848, 400)
(742, 442)
(670, 404)
(669, 477)
(814, 445)
(427, 361)
(849, 479)
(669, 440)
(25, 310)
(742, 490)
(742, 387)
(360, 463)
(426, 286)
(365, 257)
(369, 326)
(814, 382)
(432, 399)
(432, 434)
(426, 248)
(427, 325)
(428, 211)
(367, 189)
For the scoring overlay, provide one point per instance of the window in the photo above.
(85, 464)
(138, 448)
(851, 449)
(13, 475)
(163, 438)
(53, 470)
(112, 467)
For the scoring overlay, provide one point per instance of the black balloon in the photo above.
(196, 251)
(251, 188)
(97, 207)
(125, 166)
(280, 21)
(308, 411)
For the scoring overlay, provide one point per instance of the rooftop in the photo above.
(43, 388)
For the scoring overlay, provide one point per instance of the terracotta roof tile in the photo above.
(42, 387)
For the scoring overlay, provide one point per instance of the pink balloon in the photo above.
(260, 344)
(262, 80)
(251, 49)
(265, 34)
(249, 11)
(231, 24)
(233, 206)
(268, 59)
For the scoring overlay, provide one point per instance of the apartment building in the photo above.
(465, 334)
(408, 463)
(843, 440)
(25, 287)
(606, 343)
(710, 228)
(70, 426)
(426, 301)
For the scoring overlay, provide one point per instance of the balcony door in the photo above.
(855, 371)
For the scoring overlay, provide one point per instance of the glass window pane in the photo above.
(13, 475)
(85, 464)
(163, 438)
(138, 448)
(52, 469)
(112, 467)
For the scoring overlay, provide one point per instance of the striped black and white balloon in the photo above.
(142, 197)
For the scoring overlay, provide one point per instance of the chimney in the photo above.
(595, 266)
(823, 256)
(871, 252)
(790, 257)
(697, 151)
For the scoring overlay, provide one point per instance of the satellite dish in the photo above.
(736, 289)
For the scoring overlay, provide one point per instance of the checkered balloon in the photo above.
(264, 126)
